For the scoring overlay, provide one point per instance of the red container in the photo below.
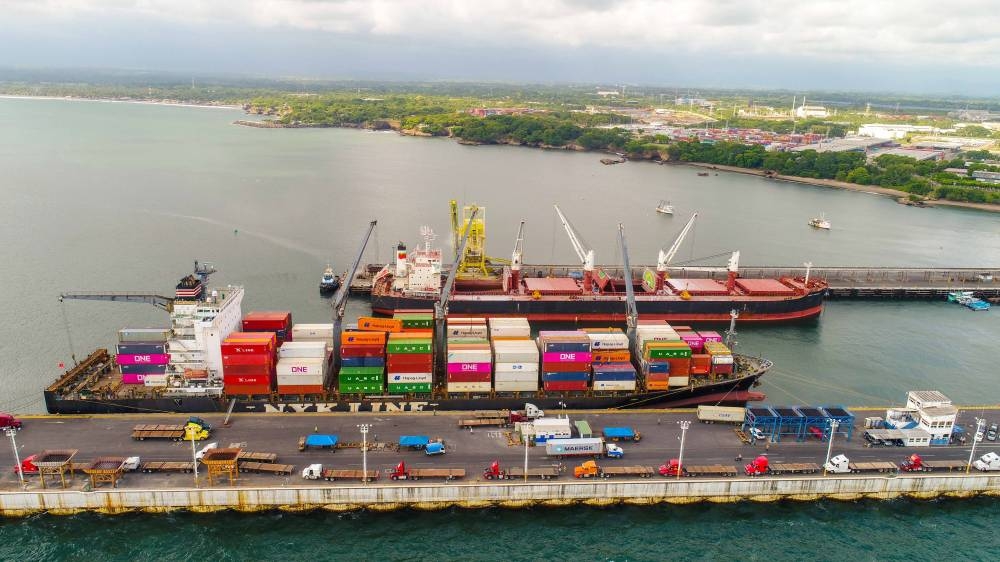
(300, 388)
(279, 320)
(248, 370)
(551, 367)
(470, 377)
(679, 367)
(409, 362)
(362, 351)
(661, 377)
(247, 359)
(723, 369)
(565, 385)
(262, 379)
(701, 364)
(247, 389)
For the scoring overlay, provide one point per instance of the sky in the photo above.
(919, 46)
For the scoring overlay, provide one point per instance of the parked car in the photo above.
(991, 434)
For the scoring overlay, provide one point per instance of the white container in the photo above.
(312, 332)
(515, 386)
(608, 341)
(409, 378)
(302, 367)
(139, 335)
(469, 356)
(288, 380)
(515, 376)
(515, 351)
(510, 332)
(614, 385)
(678, 381)
(466, 331)
(722, 359)
(552, 427)
(155, 380)
(515, 367)
(469, 387)
(302, 350)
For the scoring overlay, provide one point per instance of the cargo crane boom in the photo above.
(632, 312)
(583, 251)
(340, 298)
(441, 306)
(159, 301)
(515, 260)
(666, 256)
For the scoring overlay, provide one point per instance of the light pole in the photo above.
(975, 439)
(680, 458)
(563, 406)
(829, 446)
(190, 431)
(525, 438)
(11, 432)
(435, 406)
(364, 427)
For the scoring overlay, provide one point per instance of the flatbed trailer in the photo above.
(491, 414)
(794, 468)
(627, 471)
(265, 467)
(878, 466)
(250, 456)
(545, 473)
(332, 474)
(167, 466)
(709, 470)
(482, 422)
(418, 473)
(931, 466)
(158, 431)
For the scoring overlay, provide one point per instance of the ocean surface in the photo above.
(112, 196)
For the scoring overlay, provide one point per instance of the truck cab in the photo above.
(27, 466)
(201, 454)
(671, 468)
(131, 464)
(312, 472)
(614, 451)
(434, 448)
(757, 467)
(8, 421)
(838, 465)
(588, 469)
(202, 424)
(494, 472)
(912, 464)
(988, 462)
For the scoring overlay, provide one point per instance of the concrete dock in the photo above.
(99, 436)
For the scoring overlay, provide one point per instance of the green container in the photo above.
(360, 389)
(361, 379)
(668, 353)
(410, 346)
(409, 387)
(362, 370)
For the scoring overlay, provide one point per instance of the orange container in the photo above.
(657, 385)
(362, 338)
(369, 324)
(612, 356)
(679, 367)
(701, 363)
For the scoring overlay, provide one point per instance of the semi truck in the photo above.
(199, 431)
(988, 462)
(265, 467)
(167, 466)
(916, 463)
(721, 414)
(593, 446)
(621, 434)
(8, 421)
(317, 472)
(671, 467)
(840, 464)
(591, 469)
(761, 466)
(495, 472)
(501, 418)
(403, 472)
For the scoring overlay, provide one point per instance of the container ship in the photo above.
(587, 293)
(213, 358)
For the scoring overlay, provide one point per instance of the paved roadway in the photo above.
(473, 450)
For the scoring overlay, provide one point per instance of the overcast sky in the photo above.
(916, 45)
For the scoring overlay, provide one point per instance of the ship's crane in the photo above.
(159, 301)
(441, 306)
(632, 312)
(666, 256)
(515, 260)
(583, 251)
(340, 297)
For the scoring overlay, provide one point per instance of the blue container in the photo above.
(657, 368)
(353, 362)
(566, 347)
(144, 369)
(372, 361)
(151, 348)
(562, 377)
(619, 374)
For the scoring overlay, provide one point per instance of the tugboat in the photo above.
(820, 222)
(329, 283)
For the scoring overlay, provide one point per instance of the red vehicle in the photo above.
(27, 465)
(912, 464)
(817, 432)
(8, 421)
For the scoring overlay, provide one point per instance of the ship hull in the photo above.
(612, 309)
(731, 392)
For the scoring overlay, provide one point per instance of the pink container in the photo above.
(470, 367)
(151, 359)
(566, 357)
(695, 341)
(133, 379)
(710, 336)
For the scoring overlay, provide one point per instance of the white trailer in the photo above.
(721, 414)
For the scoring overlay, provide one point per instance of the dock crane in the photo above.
(632, 312)
(515, 260)
(441, 308)
(666, 256)
(201, 270)
(583, 251)
(340, 297)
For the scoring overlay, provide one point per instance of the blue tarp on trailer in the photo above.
(414, 441)
(619, 433)
(320, 440)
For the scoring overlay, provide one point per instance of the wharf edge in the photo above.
(511, 495)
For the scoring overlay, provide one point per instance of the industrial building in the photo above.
(846, 144)
(927, 419)
(891, 131)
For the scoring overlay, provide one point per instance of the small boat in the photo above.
(703, 174)
(820, 222)
(968, 300)
(665, 208)
(329, 282)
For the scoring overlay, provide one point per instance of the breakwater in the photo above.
(509, 495)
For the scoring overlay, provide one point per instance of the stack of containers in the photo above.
(721, 358)
(313, 332)
(469, 365)
(362, 362)
(142, 360)
(415, 319)
(248, 362)
(612, 367)
(515, 355)
(278, 322)
(700, 361)
(655, 370)
(465, 328)
(676, 354)
(411, 361)
(566, 360)
(303, 367)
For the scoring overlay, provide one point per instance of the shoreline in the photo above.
(163, 102)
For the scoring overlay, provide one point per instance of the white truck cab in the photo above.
(988, 462)
(838, 465)
(312, 472)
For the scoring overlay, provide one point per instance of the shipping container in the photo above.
(467, 331)
(295, 349)
(410, 378)
(410, 346)
(406, 388)
(618, 386)
(561, 386)
(343, 378)
(499, 367)
(261, 379)
(470, 368)
(711, 336)
(373, 362)
(469, 386)
(515, 385)
(151, 359)
(145, 348)
(661, 377)
(611, 356)
(248, 359)
(657, 385)
(253, 370)
(361, 371)
(409, 362)
(143, 369)
(566, 357)
(362, 388)
(363, 338)
(375, 350)
(143, 335)
(248, 389)
(300, 388)
(722, 369)
(679, 381)
(369, 324)
(574, 376)
(565, 367)
(470, 377)
(133, 378)
(313, 332)
(301, 367)
(292, 380)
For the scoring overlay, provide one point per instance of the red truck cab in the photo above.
(757, 467)
(8, 421)
(27, 466)
(670, 468)
(494, 472)
(912, 464)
